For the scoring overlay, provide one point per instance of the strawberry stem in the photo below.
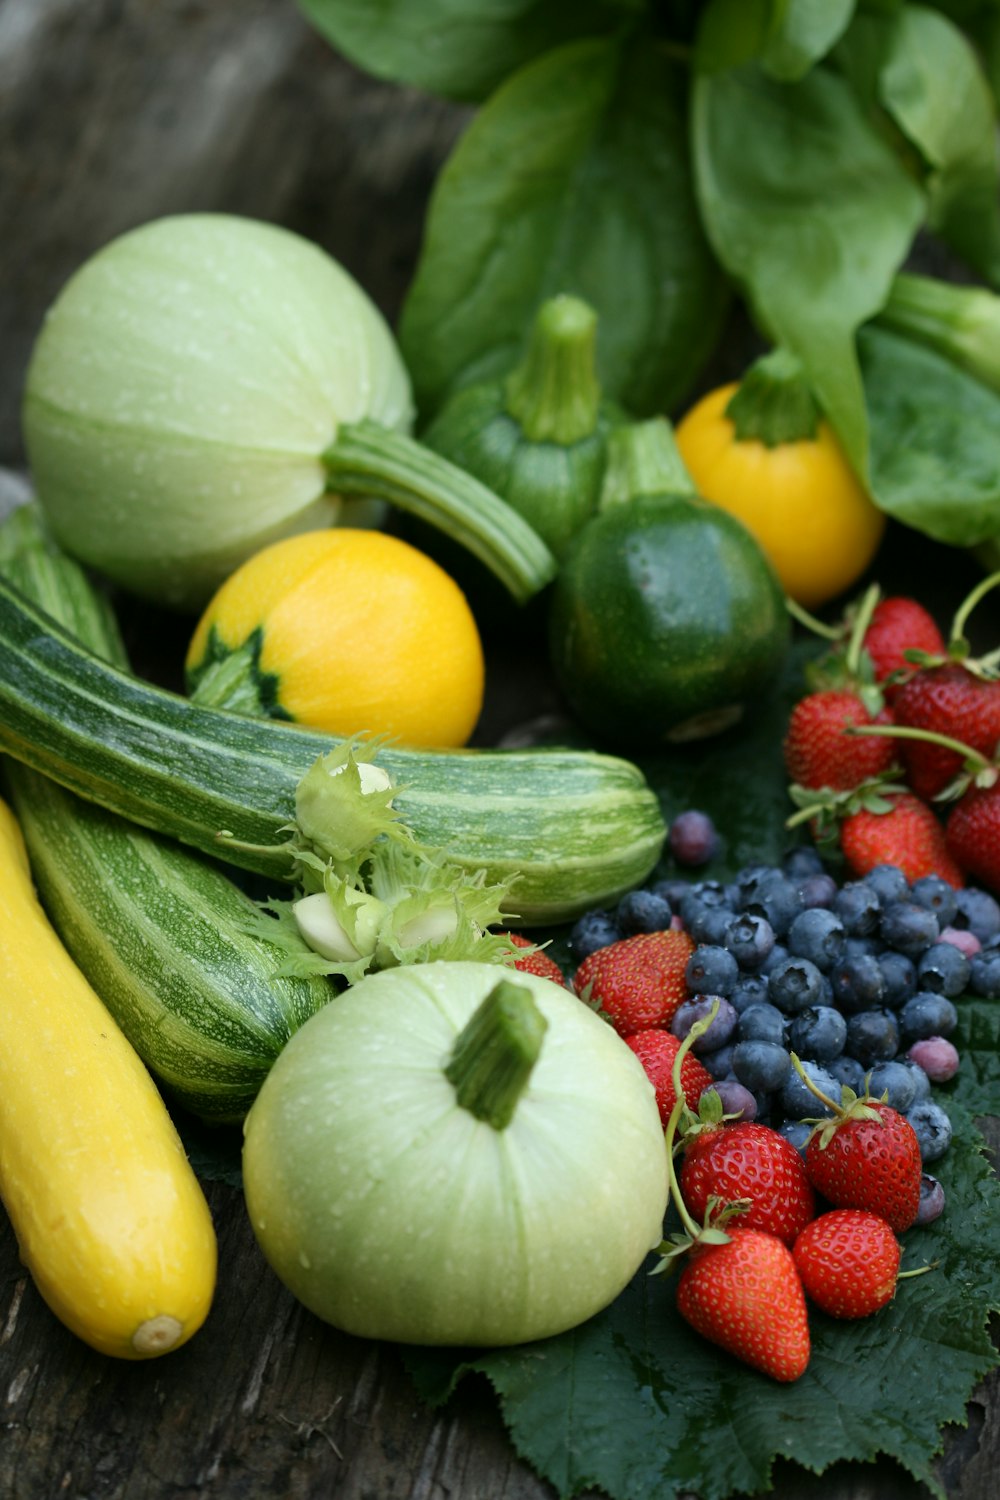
(859, 629)
(976, 761)
(680, 1105)
(958, 646)
(828, 632)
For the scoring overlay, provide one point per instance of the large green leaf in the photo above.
(812, 213)
(933, 85)
(573, 178)
(636, 1404)
(935, 440)
(459, 48)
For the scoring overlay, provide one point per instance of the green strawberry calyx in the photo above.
(851, 1106)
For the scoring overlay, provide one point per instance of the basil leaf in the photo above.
(461, 50)
(933, 86)
(636, 1404)
(573, 178)
(935, 440)
(811, 211)
(787, 36)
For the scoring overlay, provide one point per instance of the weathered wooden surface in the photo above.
(113, 112)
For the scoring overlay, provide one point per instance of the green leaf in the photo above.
(934, 87)
(459, 50)
(976, 1086)
(812, 213)
(636, 1404)
(935, 440)
(573, 178)
(786, 36)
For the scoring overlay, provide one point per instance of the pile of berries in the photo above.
(893, 756)
(857, 980)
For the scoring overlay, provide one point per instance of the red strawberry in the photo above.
(897, 625)
(752, 1162)
(848, 1260)
(746, 1296)
(867, 1156)
(908, 834)
(656, 1050)
(972, 833)
(638, 982)
(819, 753)
(537, 962)
(953, 701)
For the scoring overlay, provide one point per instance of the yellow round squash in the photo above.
(109, 1217)
(346, 630)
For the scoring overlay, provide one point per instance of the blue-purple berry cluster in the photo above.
(858, 980)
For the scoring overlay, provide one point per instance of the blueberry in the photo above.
(595, 929)
(797, 1132)
(719, 1062)
(909, 927)
(736, 1099)
(705, 920)
(761, 1023)
(801, 862)
(818, 935)
(673, 889)
(942, 968)
(794, 985)
(818, 1033)
(984, 974)
(751, 989)
(749, 939)
(692, 838)
(711, 970)
(777, 955)
(921, 1083)
(711, 892)
(762, 1067)
(927, 1014)
(978, 911)
(641, 911)
(698, 1008)
(863, 947)
(894, 1079)
(889, 884)
(872, 1036)
(858, 983)
(937, 1056)
(817, 890)
(777, 900)
(858, 907)
(798, 1100)
(747, 880)
(938, 896)
(932, 1127)
(847, 1070)
(931, 1199)
(900, 977)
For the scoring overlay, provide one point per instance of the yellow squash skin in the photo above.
(109, 1217)
(801, 500)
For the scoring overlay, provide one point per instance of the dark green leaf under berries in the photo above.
(636, 1404)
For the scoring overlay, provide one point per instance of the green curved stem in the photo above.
(968, 604)
(371, 460)
(773, 404)
(975, 760)
(494, 1053)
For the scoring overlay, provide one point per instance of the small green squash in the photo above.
(667, 622)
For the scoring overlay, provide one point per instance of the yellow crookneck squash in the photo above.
(109, 1217)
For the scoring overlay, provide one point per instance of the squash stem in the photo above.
(643, 459)
(371, 460)
(494, 1053)
(960, 322)
(553, 394)
(773, 404)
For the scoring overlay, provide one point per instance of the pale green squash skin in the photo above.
(392, 1212)
(578, 828)
(160, 933)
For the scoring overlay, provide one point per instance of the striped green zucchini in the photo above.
(576, 827)
(160, 932)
